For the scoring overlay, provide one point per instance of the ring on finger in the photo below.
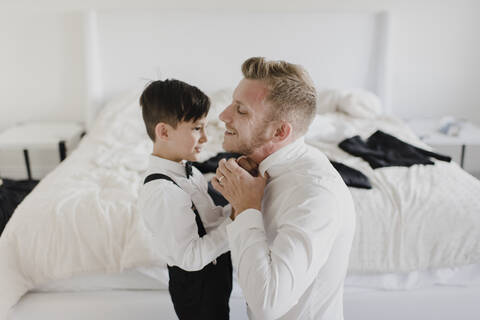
(220, 179)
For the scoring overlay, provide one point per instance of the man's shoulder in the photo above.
(314, 167)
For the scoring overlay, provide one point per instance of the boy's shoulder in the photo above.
(161, 189)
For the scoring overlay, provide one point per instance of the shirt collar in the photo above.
(157, 164)
(283, 155)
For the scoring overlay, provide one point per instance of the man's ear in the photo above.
(283, 131)
(162, 131)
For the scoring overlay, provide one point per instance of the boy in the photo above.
(188, 228)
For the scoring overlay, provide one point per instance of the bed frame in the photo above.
(127, 49)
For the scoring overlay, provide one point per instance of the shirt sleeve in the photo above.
(214, 215)
(168, 214)
(274, 275)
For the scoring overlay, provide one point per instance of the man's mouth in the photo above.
(229, 132)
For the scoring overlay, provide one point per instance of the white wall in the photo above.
(42, 67)
(435, 50)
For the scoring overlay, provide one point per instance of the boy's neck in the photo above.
(163, 153)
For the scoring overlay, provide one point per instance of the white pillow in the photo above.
(357, 103)
(327, 100)
(360, 103)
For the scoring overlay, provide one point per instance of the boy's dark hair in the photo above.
(171, 101)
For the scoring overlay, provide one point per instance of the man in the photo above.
(293, 223)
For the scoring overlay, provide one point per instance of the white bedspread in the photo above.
(82, 218)
(415, 218)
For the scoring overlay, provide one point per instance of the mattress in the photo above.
(142, 293)
(440, 303)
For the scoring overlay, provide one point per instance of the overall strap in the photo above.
(159, 176)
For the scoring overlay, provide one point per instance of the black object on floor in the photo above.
(384, 150)
(12, 192)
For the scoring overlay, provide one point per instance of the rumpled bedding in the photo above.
(82, 217)
(417, 218)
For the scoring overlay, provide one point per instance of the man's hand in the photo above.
(238, 186)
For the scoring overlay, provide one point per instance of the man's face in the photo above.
(246, 118)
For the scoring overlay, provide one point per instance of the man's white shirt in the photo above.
(292, 257)
(168, 215)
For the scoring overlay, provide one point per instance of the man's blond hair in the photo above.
(290, 91)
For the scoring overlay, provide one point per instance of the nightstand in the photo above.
(41, 135)
(429, 131)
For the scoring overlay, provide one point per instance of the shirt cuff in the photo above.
(227, 210)
(248, 219)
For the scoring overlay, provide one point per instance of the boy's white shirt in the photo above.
(167, 211)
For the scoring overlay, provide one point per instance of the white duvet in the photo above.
(82, 218)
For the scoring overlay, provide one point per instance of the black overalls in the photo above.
(202, 294)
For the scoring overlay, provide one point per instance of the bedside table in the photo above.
(41, 135)
(428, 130)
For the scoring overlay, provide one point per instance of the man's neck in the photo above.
(269, 148)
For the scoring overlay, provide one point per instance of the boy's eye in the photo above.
(198, 128)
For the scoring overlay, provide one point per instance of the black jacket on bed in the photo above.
(384, 150)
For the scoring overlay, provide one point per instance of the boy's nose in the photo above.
(204, 137)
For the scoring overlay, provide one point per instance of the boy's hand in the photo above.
(249, 165)
(240, 188)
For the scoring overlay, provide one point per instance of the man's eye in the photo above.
(198, 128)
(239, 111)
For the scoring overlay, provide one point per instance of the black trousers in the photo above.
(203, 294)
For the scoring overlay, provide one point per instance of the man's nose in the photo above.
(225, 115)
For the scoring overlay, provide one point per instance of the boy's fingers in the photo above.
(215, 184)
(223, 166)
(222, 171)
(249, 165)
(243, 162)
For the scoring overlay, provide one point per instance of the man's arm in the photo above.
(274, 276)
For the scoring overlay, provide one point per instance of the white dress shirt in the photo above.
(167, 211)
(292, 257)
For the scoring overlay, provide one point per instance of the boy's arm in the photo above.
(172, 222)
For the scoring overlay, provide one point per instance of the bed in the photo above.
(76, 247)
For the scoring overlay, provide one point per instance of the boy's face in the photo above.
(187, 139)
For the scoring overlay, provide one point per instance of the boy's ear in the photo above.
(283, 131)
(161, 131)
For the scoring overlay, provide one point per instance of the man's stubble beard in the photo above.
(249, 148)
